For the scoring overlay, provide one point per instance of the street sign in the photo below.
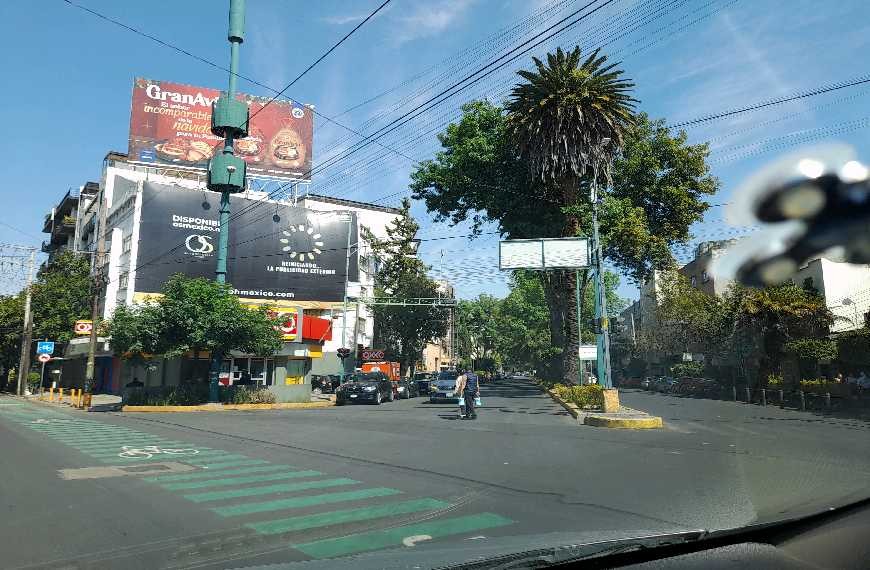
(588, 352)
(45, 347)
(83, 327)
(373, 355)
(543, 254)
(44, 357)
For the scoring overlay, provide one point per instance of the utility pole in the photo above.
(603, 340)
(344, 308)
(24, 362)
(226, 172)
(97, 286)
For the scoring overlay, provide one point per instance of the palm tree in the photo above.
(567, 122)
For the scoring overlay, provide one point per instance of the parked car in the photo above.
(663, 384)
(405, 389)
(441, 389)
(371, 387)
(422, 380)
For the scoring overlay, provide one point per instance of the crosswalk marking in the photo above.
(268, 490)
(239, 486)
(376, 539)
(236, 463)
(344, 516)
(211, 473)
(230, 481)
(300, 502)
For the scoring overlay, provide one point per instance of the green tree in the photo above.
(477, 327)
(61, 296)
(11, 325)
(780, 316)
(404, 329)
(192, 315)
(566, 123)
(658, 188)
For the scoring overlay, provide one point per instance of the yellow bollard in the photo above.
(59, 395)
(86, 403)
(75, 399)
(51, 394)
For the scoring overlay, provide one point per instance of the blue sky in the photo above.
(69, 78)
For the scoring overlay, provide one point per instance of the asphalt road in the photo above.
(297, 485)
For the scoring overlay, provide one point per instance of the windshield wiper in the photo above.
(557, 555)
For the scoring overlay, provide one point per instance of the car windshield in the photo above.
(640, 229)
(365, 377)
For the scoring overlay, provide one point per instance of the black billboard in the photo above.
(276, 251)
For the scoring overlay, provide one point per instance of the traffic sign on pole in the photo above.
(45, 347)
(44, 357)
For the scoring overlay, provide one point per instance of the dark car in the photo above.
(370, 387)
(441, 389)
(405, 389)
(422, 380)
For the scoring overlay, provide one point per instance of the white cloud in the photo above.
(342, 20)
(431, 18)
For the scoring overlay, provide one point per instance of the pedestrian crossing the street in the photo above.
(319, 514)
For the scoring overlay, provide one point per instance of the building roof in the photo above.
(351, 203)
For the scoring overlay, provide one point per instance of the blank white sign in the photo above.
(514, 254)
(573, 253)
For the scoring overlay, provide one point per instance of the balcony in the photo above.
(48, 247)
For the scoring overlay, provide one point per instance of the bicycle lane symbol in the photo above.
(149, 451)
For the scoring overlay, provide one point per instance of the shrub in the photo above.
(195, 394)
(587, 396)
(774, 381)
(688, 369)
(246, 395)
(821, 387)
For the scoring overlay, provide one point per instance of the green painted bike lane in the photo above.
(252, 478)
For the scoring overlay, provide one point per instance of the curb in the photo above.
(599, 419)
(572, 409)
(229, 407)
(648, 422)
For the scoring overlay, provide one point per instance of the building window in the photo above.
(364, 263)
(694, 281)
(123, 280)
(704, 276)
(127, 244)
(363, 292)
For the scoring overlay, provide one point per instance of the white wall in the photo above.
(376, 221)
(845, 287)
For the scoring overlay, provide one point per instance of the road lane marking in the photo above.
(374, 540)
(230, 481)
(301, 502)
(268, 490)
(237, 463)
(216, 472)
(330, 518)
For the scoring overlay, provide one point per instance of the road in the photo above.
(296, 485)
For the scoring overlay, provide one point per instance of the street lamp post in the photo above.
(603, 338)
(226, 172)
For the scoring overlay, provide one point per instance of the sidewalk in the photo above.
(99, 402)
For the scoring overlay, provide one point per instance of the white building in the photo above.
(123, 190)
(845, 288)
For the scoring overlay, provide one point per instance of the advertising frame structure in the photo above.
(278, 253)
(170, 126)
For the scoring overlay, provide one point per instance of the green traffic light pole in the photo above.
(226, 172)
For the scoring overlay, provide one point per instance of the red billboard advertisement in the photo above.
(170, 123)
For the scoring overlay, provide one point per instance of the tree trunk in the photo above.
(554, 291)
(570, 355)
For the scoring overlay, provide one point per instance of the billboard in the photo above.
(170, 123)
(542, 254)
(276, 251)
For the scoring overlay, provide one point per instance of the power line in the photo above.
(322, 57)
(778, 101)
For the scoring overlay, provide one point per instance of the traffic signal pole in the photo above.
(226, 172)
